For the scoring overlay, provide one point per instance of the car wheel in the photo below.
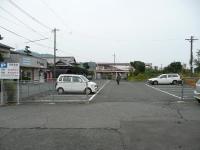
(174, 82)
(60, 91)
(155, 82)
(88, 91)
(198, 100)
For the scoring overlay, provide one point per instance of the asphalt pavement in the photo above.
(129, 116)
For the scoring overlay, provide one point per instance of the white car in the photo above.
(197, 91)
(166, 79)
(75, 83)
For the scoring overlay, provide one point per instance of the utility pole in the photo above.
(114, 64)
(191, 53)
(54, 56)
(114, 58)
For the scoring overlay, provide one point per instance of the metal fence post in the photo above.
(86, 91)
(28, 89)
(2, 92)
(39, 88)
(18, 91)
(182, 90)
(52, 90)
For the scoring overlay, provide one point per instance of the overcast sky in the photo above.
(152, 31)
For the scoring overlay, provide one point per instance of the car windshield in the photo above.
(84, 78)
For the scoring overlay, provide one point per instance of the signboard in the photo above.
(26, 61)
(9, 70)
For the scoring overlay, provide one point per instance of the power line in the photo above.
(8, 30)
(29, 15)
(91, 36)
(9, 20)
(36, 40)
(56, 15)
(29, 27)
(63, 22)
(14, 33)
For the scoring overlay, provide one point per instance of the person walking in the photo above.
(118, 78)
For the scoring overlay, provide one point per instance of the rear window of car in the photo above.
(163, 76)
(67, 79)
(175, 75)
(77, 79)
(172, 76)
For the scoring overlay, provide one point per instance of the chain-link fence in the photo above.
(32, 91)
(9, 91)
(35, 91)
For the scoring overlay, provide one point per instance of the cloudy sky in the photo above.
(153, 31)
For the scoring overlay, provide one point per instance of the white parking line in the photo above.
(91, 98)
(163, 91)
(53, 102)
(72, 95)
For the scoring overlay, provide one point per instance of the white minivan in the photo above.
(171, 78)
(75, 83)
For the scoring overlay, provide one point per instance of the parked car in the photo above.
(197, 91)
(75, 83)
(166, 79)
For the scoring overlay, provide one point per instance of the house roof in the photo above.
(62, 63)
(67, 60)
(126, 64)
(24, 54)
(5, 46)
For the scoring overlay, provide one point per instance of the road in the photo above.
(131, 116)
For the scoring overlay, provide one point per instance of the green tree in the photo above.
(86, 66)
(197, 62)
(139, 67)
(27, 51)
(174, 67)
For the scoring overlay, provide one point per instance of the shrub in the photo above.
(140, 77)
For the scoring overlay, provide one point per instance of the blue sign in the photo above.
(3, 65)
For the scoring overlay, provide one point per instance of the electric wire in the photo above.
(29, 27)
(30, 41)
(28, 14)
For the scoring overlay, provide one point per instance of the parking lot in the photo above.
(128, 116)
(183, 92)
(52, 96)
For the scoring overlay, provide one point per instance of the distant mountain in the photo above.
(46, 55)
(35, 54)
